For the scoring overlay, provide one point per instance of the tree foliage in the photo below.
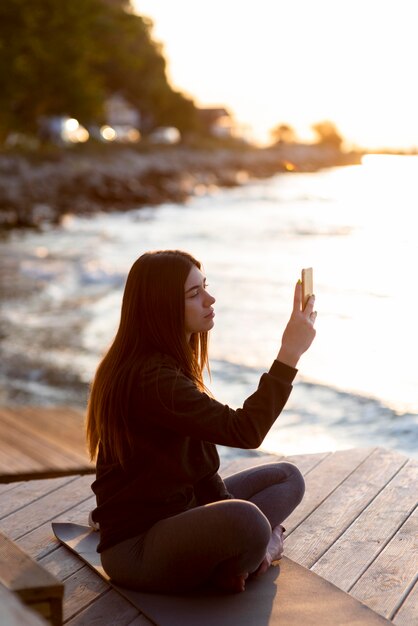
(327, 134)
(136, 68)
(46, 56)
(283, 133)
(65, 57)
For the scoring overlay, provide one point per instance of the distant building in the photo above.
(119, 112)
(218, 121)
(122, 121)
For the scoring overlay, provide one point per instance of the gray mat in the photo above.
(288, 595)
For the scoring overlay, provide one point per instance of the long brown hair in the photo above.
(152, 320)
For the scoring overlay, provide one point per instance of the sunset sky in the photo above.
(353, 62)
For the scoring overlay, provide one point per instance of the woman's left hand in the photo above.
(299, 332)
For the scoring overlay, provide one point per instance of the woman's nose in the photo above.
(210, 299)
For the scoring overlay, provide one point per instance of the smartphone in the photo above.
(307, 285)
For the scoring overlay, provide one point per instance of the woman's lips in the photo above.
(209, 315)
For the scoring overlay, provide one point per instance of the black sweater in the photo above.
(174, 463)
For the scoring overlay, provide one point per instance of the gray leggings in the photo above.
(183, 552)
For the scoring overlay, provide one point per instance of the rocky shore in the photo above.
(41, 189)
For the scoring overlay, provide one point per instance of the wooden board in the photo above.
(325, 478)
(356, 549)
(407, 613)
(330, 519)
(14, 613)
(34, 585)
(288, 595)
(376, 513)
(389, 579)
(42, 442)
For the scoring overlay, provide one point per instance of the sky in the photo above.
(297, 62)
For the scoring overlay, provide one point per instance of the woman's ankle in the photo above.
(231, 583)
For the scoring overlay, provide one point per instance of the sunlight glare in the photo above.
(297, 63)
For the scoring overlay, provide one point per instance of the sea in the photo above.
(355, 225)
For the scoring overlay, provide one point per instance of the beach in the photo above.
(43, 187)
(62, 287)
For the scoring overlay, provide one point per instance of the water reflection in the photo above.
(354, 225)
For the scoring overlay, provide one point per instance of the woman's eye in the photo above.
(196, 292)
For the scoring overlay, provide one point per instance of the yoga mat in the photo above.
(287, 595)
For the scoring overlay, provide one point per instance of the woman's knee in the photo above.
(294, 475)
(246, 520)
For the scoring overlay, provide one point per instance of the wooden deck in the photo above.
(42, 442)
(356, 527)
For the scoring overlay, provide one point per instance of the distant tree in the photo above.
(65, 57)
(132, 64)
(46, 55)
(328, 134)
(283, 133)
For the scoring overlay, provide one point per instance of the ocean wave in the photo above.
(323, 416)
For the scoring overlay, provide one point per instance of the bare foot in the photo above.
(231, 583)
(274, 551)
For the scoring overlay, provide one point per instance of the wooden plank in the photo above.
(408, 612)
(55, 416)
(14, 613)
(323, 479)
(42, 432)
(70, 418)
(350, 556)
(81, 589)
(242, 463)
(23, 575)
(387, 582)
(12, 459)
(44, 473)
(26, 492)
(38, 441)
(40, 541)
(110, 608)
(46, 507)
(305, 462)
(61, 563)
(57, 502)
(81, 586)
(288, 594)
(60, 427)
(33, 444)
(230, 458)
(310, 540)
(45, 457)
(141, 620)
(35, 586)
(5, 491)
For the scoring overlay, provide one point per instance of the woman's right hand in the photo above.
(299, 332)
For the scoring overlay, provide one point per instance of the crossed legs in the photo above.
(218, 543)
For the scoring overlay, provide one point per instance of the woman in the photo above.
(168, 522)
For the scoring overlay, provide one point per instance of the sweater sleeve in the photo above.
(172, 401)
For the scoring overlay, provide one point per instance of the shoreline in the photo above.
(61, 287)
(40, 189)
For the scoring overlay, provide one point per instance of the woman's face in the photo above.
(199, 312)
